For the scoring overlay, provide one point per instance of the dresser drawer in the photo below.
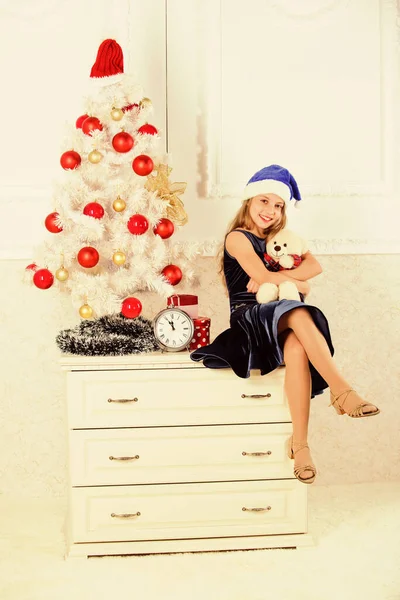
(145, 398)
(188, 511)
(179, 454)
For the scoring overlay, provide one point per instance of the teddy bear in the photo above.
(283, 251)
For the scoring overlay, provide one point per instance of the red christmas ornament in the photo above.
(129, 107)
(88, 257)
(138, 224)
(91, 124)
(32, 267)
(80, 120)
(70, 160)
(131, 308)
(147, 128)
(94, 209)
(122, 142)
(172, 273)
(165, 228)
(142, 165)
(43, 279)
(50, 223)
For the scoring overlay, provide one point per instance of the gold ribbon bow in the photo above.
(169, 192)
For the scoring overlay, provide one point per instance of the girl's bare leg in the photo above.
(298, 392)
(316, 348)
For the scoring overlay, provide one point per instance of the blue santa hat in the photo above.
(273, 180)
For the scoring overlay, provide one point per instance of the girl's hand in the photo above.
(252, 287)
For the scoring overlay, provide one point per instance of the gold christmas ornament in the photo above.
(145, 103)
(119, 258)
(119, 204)
(86, 311)
(62, 274)
(116, 114)
(95, 157)
(169, 192)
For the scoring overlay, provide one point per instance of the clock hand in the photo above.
(172, 325)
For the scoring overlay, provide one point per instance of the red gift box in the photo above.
(187, 302)
(201, 336)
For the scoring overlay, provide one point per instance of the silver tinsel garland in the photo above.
(110, 335)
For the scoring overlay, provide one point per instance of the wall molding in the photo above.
(34, 203)
(210, 184)
(290, 9)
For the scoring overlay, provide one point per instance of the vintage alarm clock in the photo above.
(173, 329)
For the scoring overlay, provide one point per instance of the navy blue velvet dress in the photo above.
(252, 340)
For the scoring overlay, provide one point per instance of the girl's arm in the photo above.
(240, 248)
(308, 269)
(302, 286)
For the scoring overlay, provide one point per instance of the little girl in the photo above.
(264, 336)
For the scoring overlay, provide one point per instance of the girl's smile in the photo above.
(265, 211)
(266, 219)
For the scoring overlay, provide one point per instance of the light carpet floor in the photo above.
(356, 555)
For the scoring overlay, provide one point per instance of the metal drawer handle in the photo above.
(268, 453)
(123, 400)
(256, 509)
(125, 515)
(124, 457)
(256, 396)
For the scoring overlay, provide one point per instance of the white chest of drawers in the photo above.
(166, 455)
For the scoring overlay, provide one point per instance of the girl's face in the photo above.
(265, 211)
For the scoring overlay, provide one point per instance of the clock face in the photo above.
(173, 329)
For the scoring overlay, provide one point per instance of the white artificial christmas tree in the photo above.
(116, 209)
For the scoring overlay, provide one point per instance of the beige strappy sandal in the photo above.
(358, 411)
(299, 470)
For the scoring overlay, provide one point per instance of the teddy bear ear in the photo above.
(302, 242)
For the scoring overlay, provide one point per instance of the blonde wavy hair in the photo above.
(243, 220)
